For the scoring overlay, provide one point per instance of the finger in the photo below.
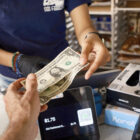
(31, 86)
(91, 70)
(91, 57)
(85, 52)
(15, 86)
(43, 108)
(85, 68)
(99, 59)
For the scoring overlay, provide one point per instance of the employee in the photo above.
(32, 33)
(23, 110)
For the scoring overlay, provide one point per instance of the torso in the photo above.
(32, 26)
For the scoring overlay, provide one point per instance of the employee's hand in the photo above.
(94, 52)
(23, 108)
(29, 64)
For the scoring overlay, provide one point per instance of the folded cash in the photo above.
(57, 76)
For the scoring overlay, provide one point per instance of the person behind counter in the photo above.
(32, 33)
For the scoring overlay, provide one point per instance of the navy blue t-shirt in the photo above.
(34, 27)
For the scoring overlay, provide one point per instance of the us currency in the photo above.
(59, 87)
(58, 74)
(57, 69)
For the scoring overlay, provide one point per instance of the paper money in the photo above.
(59, 87)
(57, 69)
(57, 76)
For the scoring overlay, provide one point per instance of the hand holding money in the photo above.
(57, 76)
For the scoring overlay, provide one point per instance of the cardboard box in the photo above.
(124, 91)
(120, 117)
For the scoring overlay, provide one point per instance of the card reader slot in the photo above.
(134, 79)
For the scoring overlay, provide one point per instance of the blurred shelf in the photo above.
(101, 3)
(129, 61)
(99, 13)
(128, 53)
(99, 10)
(128, 9)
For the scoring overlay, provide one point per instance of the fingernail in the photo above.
(86, 77)
(31, 76)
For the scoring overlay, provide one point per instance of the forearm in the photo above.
(12, 133)
(82, 22)
(6, 58)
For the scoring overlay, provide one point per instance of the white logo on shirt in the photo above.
(53, 5)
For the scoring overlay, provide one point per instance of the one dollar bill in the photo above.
(57, 76)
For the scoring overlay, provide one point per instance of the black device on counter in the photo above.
(98, 79)
(124, 91)
(136, 133)
(71, 116)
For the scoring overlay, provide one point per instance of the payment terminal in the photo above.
(70, 116)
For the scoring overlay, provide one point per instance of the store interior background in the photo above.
(118, 22)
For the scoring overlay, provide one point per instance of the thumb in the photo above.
(85, 53)
(31, 86)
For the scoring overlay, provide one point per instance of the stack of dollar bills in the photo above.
(57, 76)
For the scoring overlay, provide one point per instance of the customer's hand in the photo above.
(29, 64)
(23, 108)
(94, 52)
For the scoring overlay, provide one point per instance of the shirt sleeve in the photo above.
(71, 4)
